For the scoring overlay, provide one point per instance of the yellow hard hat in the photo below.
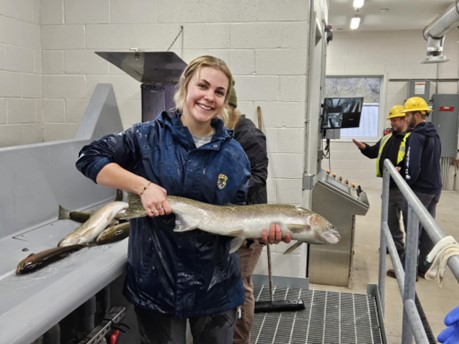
(414, 104)
(396, 111)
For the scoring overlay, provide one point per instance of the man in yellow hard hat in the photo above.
(422, 166)
(392, 147)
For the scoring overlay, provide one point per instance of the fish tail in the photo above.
(64, 214)
(119, 195)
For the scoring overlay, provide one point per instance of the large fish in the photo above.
(113, 233)
(35, 261)
(244, 221)
(97, 222)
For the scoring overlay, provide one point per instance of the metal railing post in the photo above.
(382, 240)
(414, 320)
(409, 288)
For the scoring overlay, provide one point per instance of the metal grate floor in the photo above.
(329, 318)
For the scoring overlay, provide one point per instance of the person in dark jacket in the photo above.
(172, 277)
(422, 170)
(253, 141)
(392, 146)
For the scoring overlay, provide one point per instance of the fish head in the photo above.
(324, 231)
(72, 240)
(313, 228)
(25, 265)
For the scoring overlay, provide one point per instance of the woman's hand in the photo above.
(154, 200)
(153, 196)
(274, 236)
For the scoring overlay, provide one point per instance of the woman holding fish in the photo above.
(186, 152)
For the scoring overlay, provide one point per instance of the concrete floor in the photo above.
(436, 301)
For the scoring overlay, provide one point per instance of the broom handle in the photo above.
(268, 249)
(259, 118)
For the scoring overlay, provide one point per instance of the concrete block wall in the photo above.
(20, 73)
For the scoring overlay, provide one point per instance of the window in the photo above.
(369, 89)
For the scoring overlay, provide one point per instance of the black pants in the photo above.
(157, 328)
(397, 210)
(425, 243)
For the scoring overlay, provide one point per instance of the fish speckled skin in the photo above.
(114, 233)
(96, 223)
(245, 221)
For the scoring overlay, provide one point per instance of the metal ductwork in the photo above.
(436, 31)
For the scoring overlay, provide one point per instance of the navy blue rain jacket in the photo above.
(422, 160)
(179, 274)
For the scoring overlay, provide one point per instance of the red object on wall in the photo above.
(446, 108)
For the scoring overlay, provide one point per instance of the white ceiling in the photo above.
(385, 15)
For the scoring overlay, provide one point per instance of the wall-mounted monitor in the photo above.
(341, 112)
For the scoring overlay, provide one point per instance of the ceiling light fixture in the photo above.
(358, 4)
(355, 23)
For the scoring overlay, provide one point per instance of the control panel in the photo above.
(338, 200)
(343, 186)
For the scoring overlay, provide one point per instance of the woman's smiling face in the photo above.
(205, 95)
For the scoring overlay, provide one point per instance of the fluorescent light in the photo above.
(355, 23)
(358, 3)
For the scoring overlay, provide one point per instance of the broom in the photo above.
(274, 305)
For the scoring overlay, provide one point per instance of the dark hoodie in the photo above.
(253, 141)
(422, 160)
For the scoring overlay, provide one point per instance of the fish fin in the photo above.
(293, 247)
(181, 225)
(235, 244)
(64, 214)
(113, 222)
(298, 228)
(119, 195)
(123, 215)
(235, 233)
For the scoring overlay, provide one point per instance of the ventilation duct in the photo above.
(436, 31)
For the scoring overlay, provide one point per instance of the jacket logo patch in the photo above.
(221, 183)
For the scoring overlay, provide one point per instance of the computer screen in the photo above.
(341, 112)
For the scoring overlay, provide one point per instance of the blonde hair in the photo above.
(194, 67)
(233, 118)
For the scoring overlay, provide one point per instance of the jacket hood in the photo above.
(426, 129)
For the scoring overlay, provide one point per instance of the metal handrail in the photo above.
(406, 278)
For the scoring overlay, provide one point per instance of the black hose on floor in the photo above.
(425, 321)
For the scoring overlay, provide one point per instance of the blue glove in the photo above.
(450, 335)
